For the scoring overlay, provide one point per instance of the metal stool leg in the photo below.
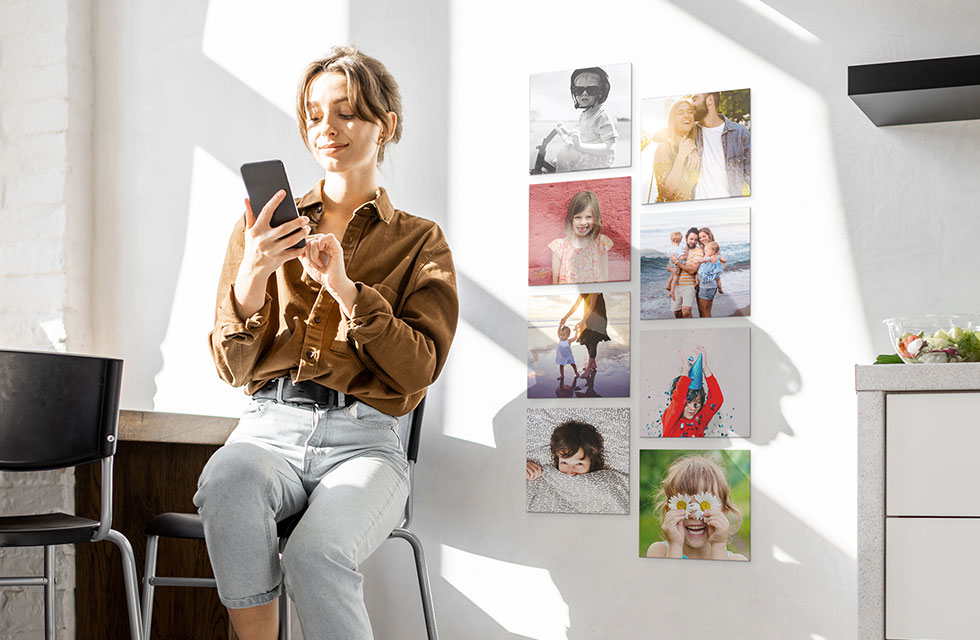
(285, 624)
(149, 572)
(423, 575)
(129, 577)
(49, 593)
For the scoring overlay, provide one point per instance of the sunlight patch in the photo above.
(523, 600)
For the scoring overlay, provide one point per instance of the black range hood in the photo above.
(916, 91)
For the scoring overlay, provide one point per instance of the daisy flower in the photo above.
(680, 501)
(701, 502)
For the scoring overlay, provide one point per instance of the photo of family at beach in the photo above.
(695, 383)
(578, 460)
(578, 345)
(579, 232)
(695, 504)
(581, 119)
(696, 146)
(695, 264)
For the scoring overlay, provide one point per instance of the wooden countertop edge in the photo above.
(178, 428)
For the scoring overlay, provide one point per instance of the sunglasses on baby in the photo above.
(591, 90)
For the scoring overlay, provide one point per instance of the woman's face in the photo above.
(575, 464)
(339, 140)
(682, 118)
(704, 237)
(582, 222)
(691, 408)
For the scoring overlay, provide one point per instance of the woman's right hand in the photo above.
(266, 249)
(685, 148)
(673, 526)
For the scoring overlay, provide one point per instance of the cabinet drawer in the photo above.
(932, 447)
(930, 590)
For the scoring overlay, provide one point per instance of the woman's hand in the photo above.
(323, 261)
(533, 470)
(673, 528)
(685, 148)
(266, 249)
(692, 163)
(718, 526)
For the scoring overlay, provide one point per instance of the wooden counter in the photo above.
(157, 463)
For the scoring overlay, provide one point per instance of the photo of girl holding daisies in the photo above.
(694, 505)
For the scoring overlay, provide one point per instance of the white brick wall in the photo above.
(46, 114)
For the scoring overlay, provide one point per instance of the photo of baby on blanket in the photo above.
(578, 461)
(694, 384)
(695, 504)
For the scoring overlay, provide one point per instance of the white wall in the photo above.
(851, 224)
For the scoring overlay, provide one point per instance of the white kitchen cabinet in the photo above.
(918, 501)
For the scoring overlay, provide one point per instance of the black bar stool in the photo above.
(57, 411)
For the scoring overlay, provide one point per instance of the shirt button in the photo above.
(316, 319)
(309, 354)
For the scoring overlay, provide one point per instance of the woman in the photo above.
(676, 164)
(332, 345)
(705, 304)
(592, 329)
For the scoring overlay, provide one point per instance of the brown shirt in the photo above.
(404, 315)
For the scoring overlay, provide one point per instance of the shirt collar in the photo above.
(311, 204)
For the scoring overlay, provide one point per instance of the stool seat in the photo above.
(45, 529)
(190, 527)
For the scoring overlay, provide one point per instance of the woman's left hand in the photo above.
(323, 261)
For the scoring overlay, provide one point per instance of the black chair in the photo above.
(57, 411)
(189, 526)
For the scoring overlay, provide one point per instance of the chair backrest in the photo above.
(415, 432)
(56, 409)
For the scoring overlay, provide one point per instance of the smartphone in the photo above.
(262, 181)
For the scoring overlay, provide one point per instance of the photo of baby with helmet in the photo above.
(581, 119)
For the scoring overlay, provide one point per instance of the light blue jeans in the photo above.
(345, 466)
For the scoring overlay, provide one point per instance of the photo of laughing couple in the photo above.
(696, 147)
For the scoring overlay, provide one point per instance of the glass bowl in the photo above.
(936, 338)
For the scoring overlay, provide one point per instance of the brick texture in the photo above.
(41, 113)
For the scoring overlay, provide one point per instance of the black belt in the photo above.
(282, 389)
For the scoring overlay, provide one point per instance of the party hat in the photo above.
(695, 374)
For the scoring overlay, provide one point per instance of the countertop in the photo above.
(961, 376)
(182, 428)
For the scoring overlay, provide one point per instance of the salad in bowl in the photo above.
(936, 338)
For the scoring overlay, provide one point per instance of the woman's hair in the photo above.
(572, 435)
(711, 236)
(580, 202)
(675, 236)
(694, 474)
(692, 394)
(371, 91)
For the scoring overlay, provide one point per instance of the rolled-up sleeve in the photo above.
(235, 343)
(407, 351)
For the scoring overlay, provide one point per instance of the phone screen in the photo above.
(262, 181)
